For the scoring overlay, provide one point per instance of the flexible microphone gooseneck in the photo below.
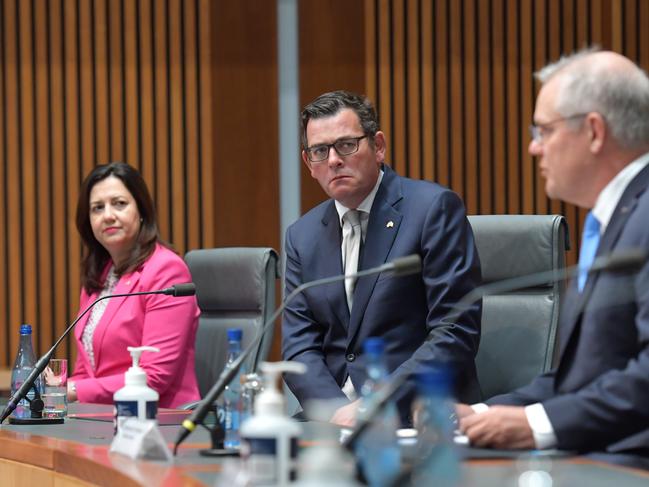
(630, 260)
(177, 290)
(401, 266)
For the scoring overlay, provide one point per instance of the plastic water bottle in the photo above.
(377, 449)
(232, 394)
(25, 360)
(436, 460)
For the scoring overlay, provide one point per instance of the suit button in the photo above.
(351, 357)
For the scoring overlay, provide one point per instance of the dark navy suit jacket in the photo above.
(598, 396)
(410, 313)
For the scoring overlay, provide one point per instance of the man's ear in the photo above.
(597, 131)
(307, 162)
(379, 146)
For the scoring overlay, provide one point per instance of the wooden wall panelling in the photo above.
(131, 63)
(115, 46)
(177, 135)
(398, 95)
(72, 162)
(26, 142)
(206, 112)
(499, 95)
(427, 92)
(455, 48)
(643, 34)
(511, 130)
(87, 112)
(484, 109)
(414, 127)
(99, 39)
(45, 264)
(13, 163)
(245, 125)
(332, 53)
(442, 94)
(527, 187)
(384, 92)
(191, 133)
(162, 114)
(83, 83)
(57, 163)
(146, 93)
(469, 112)
(4, 274)
(476, 60)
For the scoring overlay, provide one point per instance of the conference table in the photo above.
(77, 454)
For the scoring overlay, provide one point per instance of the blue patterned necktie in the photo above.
(589, 244)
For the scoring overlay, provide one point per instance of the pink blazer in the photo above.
(165, 322)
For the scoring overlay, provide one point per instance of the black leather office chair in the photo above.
(235, 288)
(519, 327)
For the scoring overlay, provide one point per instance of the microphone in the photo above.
(177, 290)
(630, 260)
(400, 266)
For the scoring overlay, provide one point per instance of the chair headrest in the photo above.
(231, 279)
(517, 245)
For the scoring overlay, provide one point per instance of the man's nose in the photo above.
(535, 148)
(333, 158)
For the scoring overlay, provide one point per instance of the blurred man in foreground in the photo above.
(591, 138)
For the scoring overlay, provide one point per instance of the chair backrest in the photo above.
(519, 327)
(235, 288)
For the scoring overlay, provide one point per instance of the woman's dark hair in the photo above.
(95, 255)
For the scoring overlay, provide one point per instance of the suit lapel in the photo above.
(382, 229)
(329, 263)
(126, 284)
(623, 210)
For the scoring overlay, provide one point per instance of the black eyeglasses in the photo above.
(343, 147)
(539, 130)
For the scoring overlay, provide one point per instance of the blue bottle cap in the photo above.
(234, 334)
(374, 345)
(25, 329)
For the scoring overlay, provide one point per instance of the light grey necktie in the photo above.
(352, 235)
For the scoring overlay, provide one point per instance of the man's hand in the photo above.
(346, 415)
(500, 427)
(463, 410)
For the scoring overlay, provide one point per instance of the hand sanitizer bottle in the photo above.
(269, 437)
(135, 398)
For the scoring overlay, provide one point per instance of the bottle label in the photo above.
(126, 409)
(261, 459)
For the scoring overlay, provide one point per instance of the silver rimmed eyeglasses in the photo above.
(343, 147)
(538, 131)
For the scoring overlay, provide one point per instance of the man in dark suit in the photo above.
(591, 136)
(325, 327)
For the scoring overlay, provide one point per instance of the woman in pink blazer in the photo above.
(124, 254)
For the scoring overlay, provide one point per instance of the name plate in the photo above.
(140, 439)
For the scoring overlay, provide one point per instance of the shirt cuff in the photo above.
(479, 407)
(542, 429)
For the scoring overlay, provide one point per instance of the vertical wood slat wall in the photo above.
(453, 85)
(84, 83)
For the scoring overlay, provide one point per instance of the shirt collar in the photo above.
(366, 204)
(612, 192)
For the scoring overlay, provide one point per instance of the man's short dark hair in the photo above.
(329, 104)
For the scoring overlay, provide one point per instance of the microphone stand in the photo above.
(398, 267)
(186, 289)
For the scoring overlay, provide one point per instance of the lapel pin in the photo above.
(389, 224)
